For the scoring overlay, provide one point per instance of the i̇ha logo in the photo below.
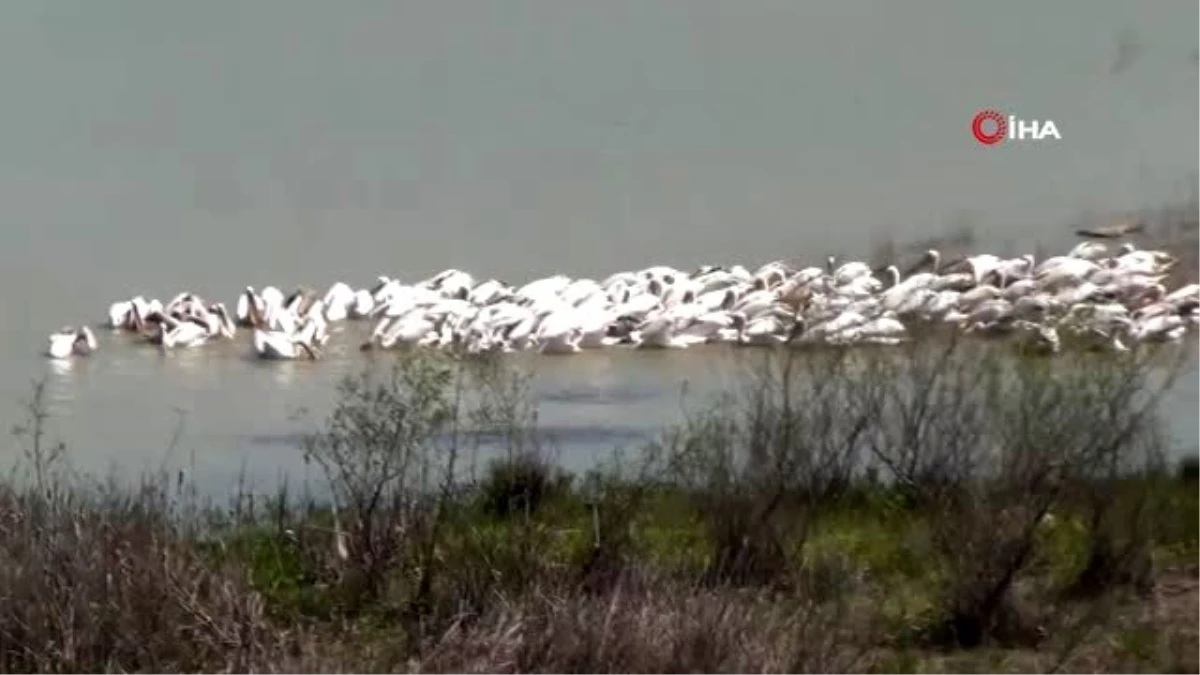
(991, 127)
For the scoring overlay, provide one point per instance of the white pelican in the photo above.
(542, 287)
(566, 342)
(706, 327)
(982, 265)
(1015, 269)
(1184, 294)
(1054, 272)
(219, 322)
(362, 305)
(559, 331)
(337, 301)
(1146, 262)
(489, 292)
(660, 333)
(1089, 250)
(407, 329)
(930, 258)
(1161, 328)
(70, 341)
(977, 295)
(884, 330)
(767, 330)
(851, 271)
(990, 311)
(842, 322)
(280, 345)
(185, 333)
(1018, 289)
(119, 314)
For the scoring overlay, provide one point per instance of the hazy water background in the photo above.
(149, 147)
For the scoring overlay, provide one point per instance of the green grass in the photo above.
(873, 539)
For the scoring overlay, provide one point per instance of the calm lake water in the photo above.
(150, 147)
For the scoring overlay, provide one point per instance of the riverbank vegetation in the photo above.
(941, 506)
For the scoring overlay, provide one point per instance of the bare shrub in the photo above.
(931, 414)
(519, 484)
(985, 445)
(1188, 469)
(763, 462)
(45, 461)
(990, 445)
(100, 581)
(617, 492)
(393, 451)
(504, 419)
(496, 544)
(97, 577)
(1121, 493)
(380, 449)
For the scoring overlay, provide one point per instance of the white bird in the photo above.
(1059, 270)
(281, 345)
(1161, 328)
(559, 333)
(119, 314)
(1089, 250)
(851, 271)
(70, 341)
(187, 333)
(980, 265)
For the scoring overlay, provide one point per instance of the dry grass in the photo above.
(107, 581)
(653, 627)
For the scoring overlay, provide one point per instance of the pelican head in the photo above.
(85, 339)
(934, 258)
(299, 298)
(380, 282)
(730, 299)
(893, 273)
(930, 257)
(308, 349)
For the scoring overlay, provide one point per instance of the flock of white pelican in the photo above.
(1090, 297)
